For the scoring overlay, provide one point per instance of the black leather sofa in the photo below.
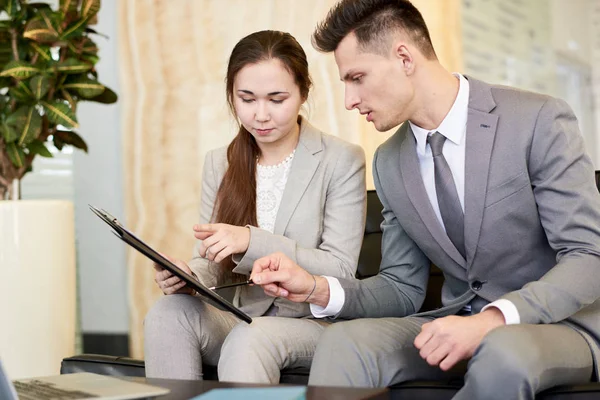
(368, 265)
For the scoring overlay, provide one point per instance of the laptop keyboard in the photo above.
(38, 390)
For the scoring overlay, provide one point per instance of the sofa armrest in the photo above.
(103, 365)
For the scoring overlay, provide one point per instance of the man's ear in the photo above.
(404, 55)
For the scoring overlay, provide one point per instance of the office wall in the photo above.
(539, 45)
(576, 45)
(98, 181)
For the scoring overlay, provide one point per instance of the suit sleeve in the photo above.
(205, 270)
(343, 224)
(399, 288)
(569, 209)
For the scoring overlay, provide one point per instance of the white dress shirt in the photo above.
(453, 127)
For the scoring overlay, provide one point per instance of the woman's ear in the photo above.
(304, 98)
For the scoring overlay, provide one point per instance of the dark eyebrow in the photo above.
(347, 76)
(268, 94)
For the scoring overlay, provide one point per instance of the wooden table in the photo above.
(184, 390)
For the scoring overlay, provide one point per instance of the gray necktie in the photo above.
(448, 200)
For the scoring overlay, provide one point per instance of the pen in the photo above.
(248, 282)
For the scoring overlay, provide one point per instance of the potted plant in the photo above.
(47, 59)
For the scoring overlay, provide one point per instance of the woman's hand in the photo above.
(221, 240)
(169, 283)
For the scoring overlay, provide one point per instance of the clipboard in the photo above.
(128, 237)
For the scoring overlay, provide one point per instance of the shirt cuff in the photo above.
(508, 309)
(337, 297)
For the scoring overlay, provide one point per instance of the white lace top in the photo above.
(270, 184)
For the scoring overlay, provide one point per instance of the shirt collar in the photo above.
(454, 124)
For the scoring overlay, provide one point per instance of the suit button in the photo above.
(476, 285)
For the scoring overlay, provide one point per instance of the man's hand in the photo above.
(281, 277)
(169, 283)
(221, 240)
(446, 341)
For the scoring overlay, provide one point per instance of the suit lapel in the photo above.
(481, 130)
(413, 183)
(306, 160)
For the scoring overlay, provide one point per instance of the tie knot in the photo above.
(436, 141)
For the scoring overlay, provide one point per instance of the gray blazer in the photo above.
(532, 219)
(320, 222)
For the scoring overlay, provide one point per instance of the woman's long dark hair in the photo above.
(236, 197)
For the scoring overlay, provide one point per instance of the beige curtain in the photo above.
(173, 56)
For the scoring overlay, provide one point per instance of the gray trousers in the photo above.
(181, 332)
(512, 362)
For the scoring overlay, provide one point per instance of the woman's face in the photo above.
(267, 101)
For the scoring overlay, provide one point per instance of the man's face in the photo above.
(376, 85)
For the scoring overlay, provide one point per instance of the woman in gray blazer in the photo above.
(280, 186)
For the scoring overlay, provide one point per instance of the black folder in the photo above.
(128, 237)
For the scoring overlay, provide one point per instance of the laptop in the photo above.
(131, 239)
(75, 386)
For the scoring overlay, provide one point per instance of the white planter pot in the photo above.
(37, 286)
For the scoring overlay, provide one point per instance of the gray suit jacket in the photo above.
(532, 219)
(320, 222)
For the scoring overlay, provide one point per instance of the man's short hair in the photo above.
(373, 22)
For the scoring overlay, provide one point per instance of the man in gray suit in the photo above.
(491, 184)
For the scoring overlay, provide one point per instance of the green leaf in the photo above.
(40, 6)
(16, 155)
(5, 48)
(67, 96)
(37, 147)
(60, 114)
(107, 97)
(19, 70)
(20, 94)
(27, 122)
(86, 88)
(89, 8)
(61, 80)
(11, 7)
(43, 51)
(83, 45)
(68, 5)
(93, 59)
(32, 129)
(52, 20)
(72, 138)
(23, 48)
(39, 86)
(8, 133)
(74, 29)
(41, 30)
(5, 54)
(72, 66)
(25, 89)
(89, 46)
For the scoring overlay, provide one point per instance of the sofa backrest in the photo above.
(370, 254)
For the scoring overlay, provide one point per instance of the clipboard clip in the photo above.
(105, 215)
